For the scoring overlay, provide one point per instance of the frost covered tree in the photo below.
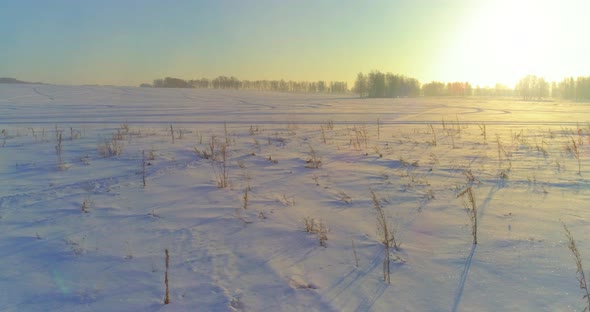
(531, 87)
(376, 84)
(360, 85)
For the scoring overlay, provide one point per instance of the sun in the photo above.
(501, 41)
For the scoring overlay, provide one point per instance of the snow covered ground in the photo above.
(80, 232)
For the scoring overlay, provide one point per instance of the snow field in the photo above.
(417, 155)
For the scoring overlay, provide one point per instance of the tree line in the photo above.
(573, 89)
(437, 88)
(532, 87)
(224, 82)
(387, 85)
(378, 85)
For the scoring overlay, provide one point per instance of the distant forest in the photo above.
(15, 81)
(223, 82)
(387, 85)
(531, 87)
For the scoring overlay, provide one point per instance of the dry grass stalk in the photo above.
(356, 258)
(220, 168)
(315, 179)
(541, 148)
(212, 144)
(579, 269)
(33, 133)
(358, 136)
(433, 134)
(484, 133)
(58, 146)
(245, 198)
(5, 136)
(452, 135)
(471, 207)
(502, 151)
(386, 236)
(74, 134)
(117, 136)
(253, 130)
(110, 148)
(323, 134)
(323, 234)
(574, 150)
(378, 151)
(580, 133)
(309, 224)
(200, 136)
(143, 167)
(470, 177)
(329, 124)
(345, 198)
(314, 161)
(226, 134)
(317, 227)
(125, 127)
(500, 148)
(86, 205)
(167, 295)
(172, 133)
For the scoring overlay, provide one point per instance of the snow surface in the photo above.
(56, 257)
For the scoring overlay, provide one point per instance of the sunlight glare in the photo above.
(502, 41)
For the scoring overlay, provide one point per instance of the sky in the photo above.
(128, 42)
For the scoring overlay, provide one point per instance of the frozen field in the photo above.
(79, 231)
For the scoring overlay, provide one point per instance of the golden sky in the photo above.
(130, 42)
